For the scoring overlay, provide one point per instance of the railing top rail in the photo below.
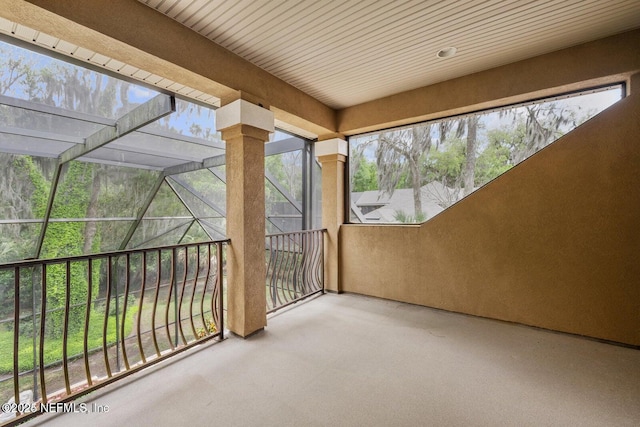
(324, 230)
(32, 262)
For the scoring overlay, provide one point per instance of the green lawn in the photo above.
(53, 347)
(75, 346)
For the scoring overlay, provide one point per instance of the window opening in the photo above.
(412, 173)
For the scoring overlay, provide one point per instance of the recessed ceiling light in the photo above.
(446, 52)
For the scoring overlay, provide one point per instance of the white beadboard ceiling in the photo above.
(347, 52)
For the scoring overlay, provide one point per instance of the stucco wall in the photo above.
(552, 243)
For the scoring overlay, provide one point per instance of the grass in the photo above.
(53, 347)
(75, 344)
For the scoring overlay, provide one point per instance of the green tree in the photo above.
(445, 166)
(73, 88)
(400, 152)
(24, 190)
(504, 147)
(13, 71)
(364, 178)
(469, 170)
(64, 239)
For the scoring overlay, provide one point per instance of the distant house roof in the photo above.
(434, 197)
(373, 198)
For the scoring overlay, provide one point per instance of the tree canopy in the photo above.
(459, 154)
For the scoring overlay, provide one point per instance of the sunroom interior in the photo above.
(229, 120)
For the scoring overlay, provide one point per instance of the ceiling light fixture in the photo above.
(446, 52)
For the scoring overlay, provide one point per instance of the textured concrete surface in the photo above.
(350, 360)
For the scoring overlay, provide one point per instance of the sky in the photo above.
(137, 94)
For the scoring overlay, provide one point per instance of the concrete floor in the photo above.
(349, 360)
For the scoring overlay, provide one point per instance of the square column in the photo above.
(245, 127)
(332, 154)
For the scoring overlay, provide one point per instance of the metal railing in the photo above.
(295, 267)
(83, 322)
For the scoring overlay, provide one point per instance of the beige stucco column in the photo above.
(245, 128)
(332, 153)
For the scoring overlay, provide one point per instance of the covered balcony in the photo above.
(372, 213)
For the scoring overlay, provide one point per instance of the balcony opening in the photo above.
(113, 226)
(411, 174)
